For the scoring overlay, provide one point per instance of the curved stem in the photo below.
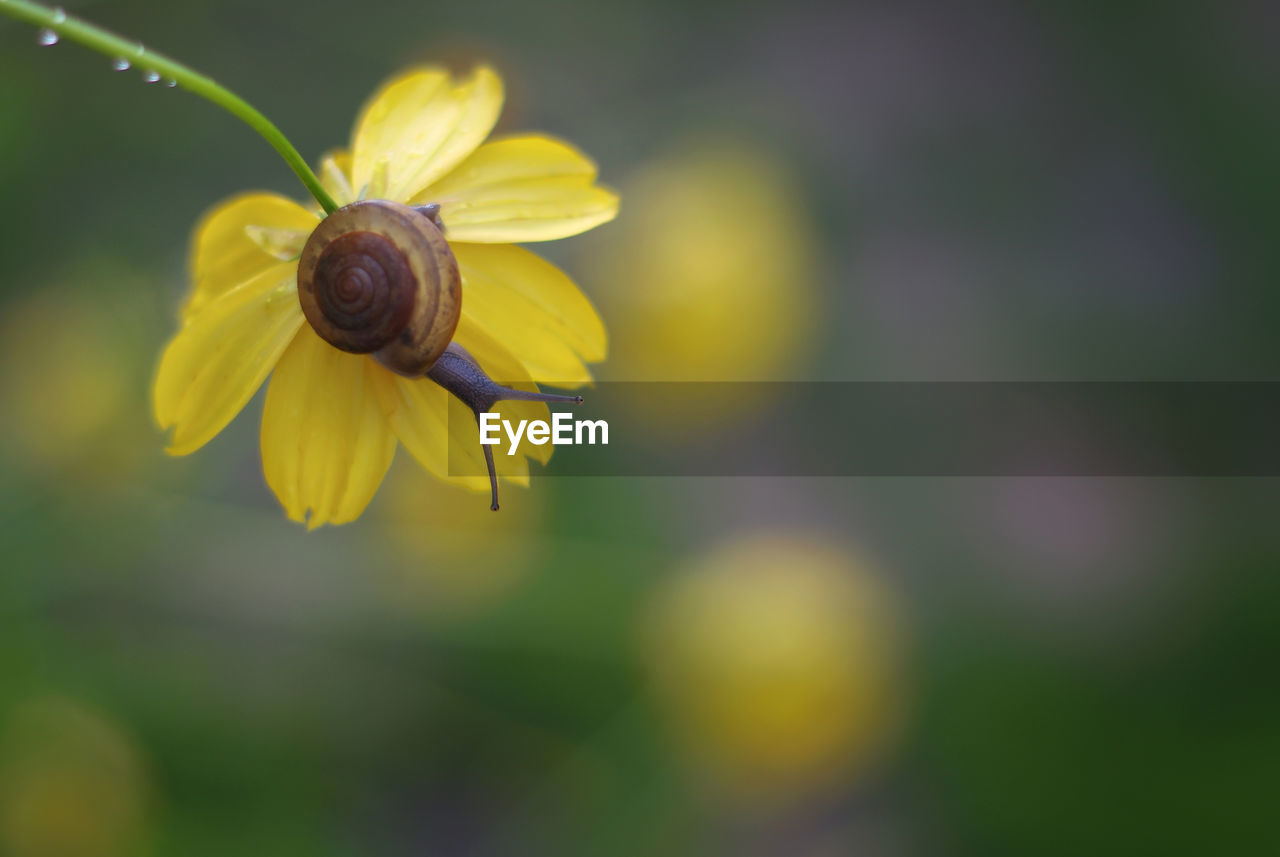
(104, 42)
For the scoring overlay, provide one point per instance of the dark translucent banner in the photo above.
(913, 429)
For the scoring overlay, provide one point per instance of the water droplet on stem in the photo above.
(46, 37)
(121, 64)
(150, 76)
(59, 15)
(171, 83)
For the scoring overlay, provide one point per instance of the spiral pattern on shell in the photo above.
(364, 288)
(377, 277)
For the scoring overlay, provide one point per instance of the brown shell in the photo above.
(377, 277)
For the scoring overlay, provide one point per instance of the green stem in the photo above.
(147, 60)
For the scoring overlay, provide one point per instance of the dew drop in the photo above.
(59, 15)
(170, 82)
(120, 64)
(151, 76)
(46, 37)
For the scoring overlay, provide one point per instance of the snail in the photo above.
(378, 277)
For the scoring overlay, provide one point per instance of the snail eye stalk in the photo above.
(431, 211)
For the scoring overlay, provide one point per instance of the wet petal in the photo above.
(521, 189)
(423, 123)
(533, 308)
(221, 356)
(325, 442)
(241, 238)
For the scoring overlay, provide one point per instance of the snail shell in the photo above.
(377, 277)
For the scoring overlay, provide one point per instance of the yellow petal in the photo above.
(417, 411)
(221, 356)
(533, 308)
(241, 238)
(521, 189)
(325, 442)
(424, 124)
(335, 176)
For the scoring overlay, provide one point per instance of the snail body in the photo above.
(377, 277)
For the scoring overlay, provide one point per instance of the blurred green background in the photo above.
(833, 191)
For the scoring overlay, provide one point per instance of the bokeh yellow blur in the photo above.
(777, 659)
(66, 377)
(72, 784)
(708, 273)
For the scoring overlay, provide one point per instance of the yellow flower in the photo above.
(332, 420)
